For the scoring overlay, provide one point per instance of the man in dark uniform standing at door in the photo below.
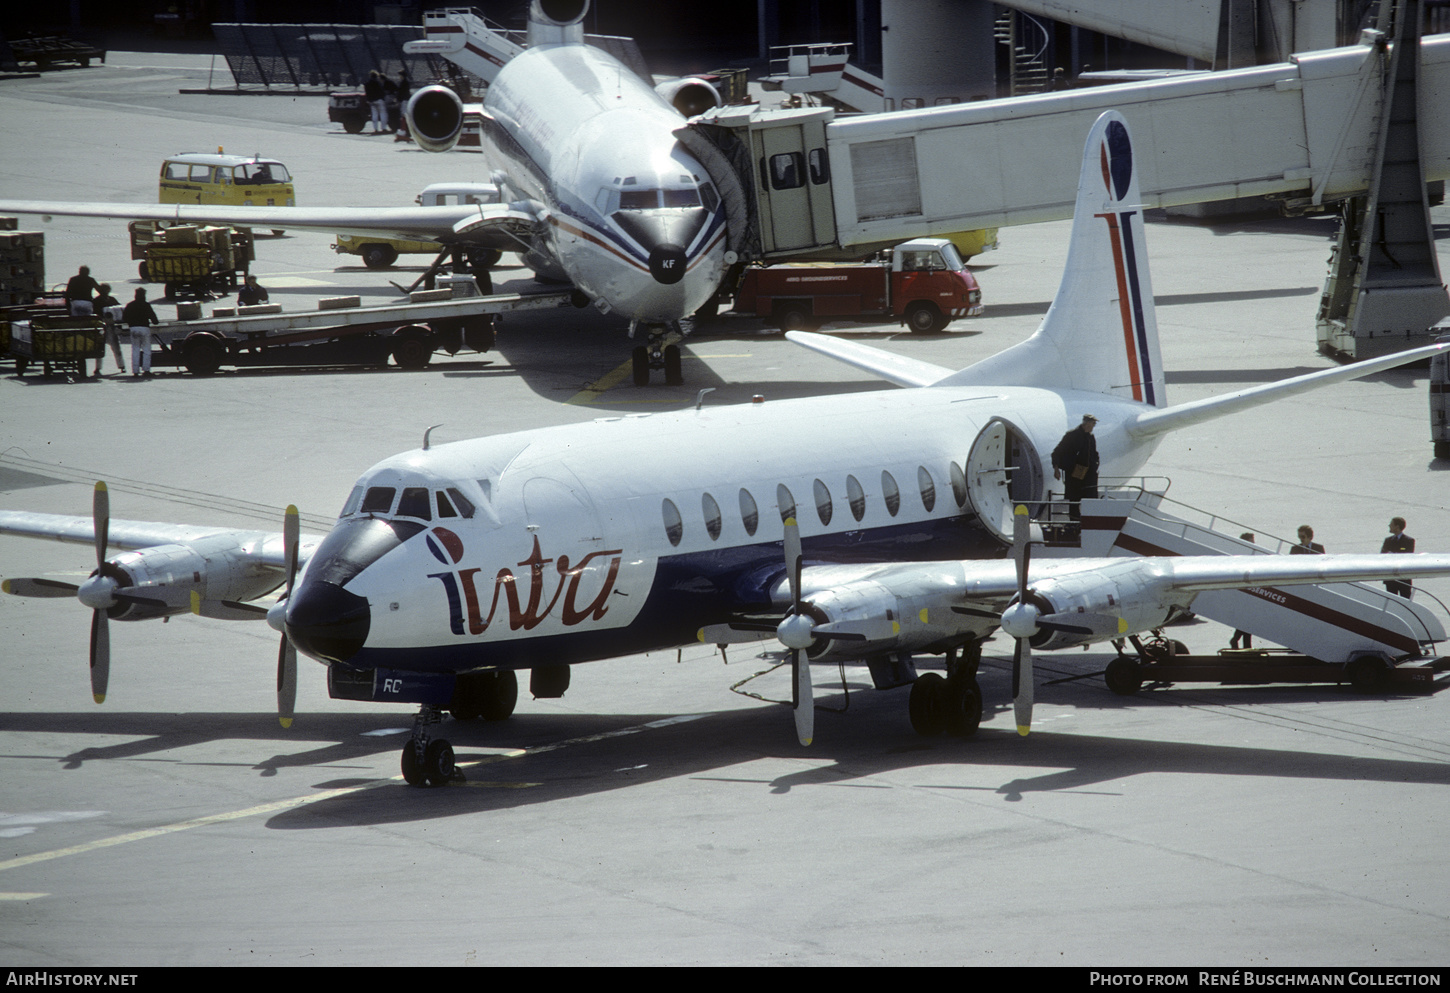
(1075, 462)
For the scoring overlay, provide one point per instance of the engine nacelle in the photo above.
(690, 96)
(559, 13)
(557, 22)
(435, 118)
(215, 568)
(890, 619)
(1112, 603)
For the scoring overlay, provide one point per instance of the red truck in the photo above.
(923, 284)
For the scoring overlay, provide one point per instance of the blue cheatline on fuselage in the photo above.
(689, 591)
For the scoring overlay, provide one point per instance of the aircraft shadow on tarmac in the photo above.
(540, 757)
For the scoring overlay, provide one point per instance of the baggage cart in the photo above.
(57, 343)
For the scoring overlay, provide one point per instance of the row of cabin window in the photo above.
(825, 506)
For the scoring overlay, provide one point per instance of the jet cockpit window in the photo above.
(445, 509)
(416, 503)
(681, 198)
(639, 199)
(709, 197)
(379, 500)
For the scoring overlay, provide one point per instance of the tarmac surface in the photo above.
(651, 816)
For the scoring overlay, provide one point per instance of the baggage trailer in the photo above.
(190, 260)
(1162, 662)
(341, 332)
(57, 343)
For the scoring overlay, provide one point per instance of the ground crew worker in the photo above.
(1075, 462)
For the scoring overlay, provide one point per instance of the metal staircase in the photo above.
(1334, 622)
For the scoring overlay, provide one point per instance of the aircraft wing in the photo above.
(260, 548)
(493, 225)
(910, 605)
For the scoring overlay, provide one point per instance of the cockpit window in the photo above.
(639, 199)
(353, 499)
(379, 500)
(681, 198)
(415, 503)
(709, 197)
(445, 509)
(465, 508)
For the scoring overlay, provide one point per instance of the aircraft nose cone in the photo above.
(667, 263)
(327, 622)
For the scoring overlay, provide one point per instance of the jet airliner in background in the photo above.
(860, 528)
(594, 188)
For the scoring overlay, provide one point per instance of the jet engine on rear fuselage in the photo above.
(690, 96)
(435, 118)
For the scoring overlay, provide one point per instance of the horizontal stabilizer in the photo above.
(889, 366)
(1151, 422)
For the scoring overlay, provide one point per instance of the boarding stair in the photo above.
(470, 41)
(825, 71)
(1364, 633)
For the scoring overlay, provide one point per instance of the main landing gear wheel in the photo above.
(490, 695)
(939, 704)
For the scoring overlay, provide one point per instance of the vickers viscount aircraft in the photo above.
(595, 190)
(860, 528)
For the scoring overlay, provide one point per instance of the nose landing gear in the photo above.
(662, 352)
(428, 761)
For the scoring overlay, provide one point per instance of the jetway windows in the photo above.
(784, 171)
(886, 180)
(820, 166)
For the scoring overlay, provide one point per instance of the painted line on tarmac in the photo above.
(277, 806)
(614, 376)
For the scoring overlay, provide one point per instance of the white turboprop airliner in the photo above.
(595, 190)
(858, 528)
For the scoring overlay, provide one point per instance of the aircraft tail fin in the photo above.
(1100, 334)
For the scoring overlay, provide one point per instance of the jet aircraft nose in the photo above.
(667, 263)
(327, 622)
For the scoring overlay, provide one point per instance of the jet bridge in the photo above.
(1353, 632)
